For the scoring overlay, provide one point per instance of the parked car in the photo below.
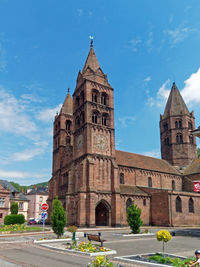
(32, 221)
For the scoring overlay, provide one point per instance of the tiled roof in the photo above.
(91, 61)
(131, 190)
(193, 168)
(143, 162)
(12, 189)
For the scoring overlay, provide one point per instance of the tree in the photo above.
(133, 218)
(58, 218)
(163, 235)
(14, 208)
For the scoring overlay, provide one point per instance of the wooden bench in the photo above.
(96, 238)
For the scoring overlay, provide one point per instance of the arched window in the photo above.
(77, 122)
(166, 141)
(179, 138)
(190, 125)
(104, 99)
(165, 126)
(104, 119)
(173, 185)
(144, 202)
(121, 178)
(149, 182)
(68, 139)
(128, 203)
(95, 96)
(95, 117)
(176, 124)
(82, 117)
(68, 125)
(178, 204)
(191, 205)
(82, 96)
(77, 101)
(180, 124)
(191, 139)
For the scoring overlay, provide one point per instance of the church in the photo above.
(96, 183)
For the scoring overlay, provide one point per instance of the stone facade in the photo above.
(95, 182)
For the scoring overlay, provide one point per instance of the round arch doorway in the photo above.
(102, 214)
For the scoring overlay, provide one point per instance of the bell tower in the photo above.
(178, 145)
(95, 171)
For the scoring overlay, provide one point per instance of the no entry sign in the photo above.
(44, 206)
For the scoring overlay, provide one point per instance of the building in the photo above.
(37, 196)
(10, 194)
(96, 183)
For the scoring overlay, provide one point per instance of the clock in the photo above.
(79, 142)
(100, 142)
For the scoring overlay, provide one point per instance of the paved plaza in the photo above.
(20, 250)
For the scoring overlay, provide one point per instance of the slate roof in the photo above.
(144, 162)
(193, 168)
(38, 191)
(12, 189)
(175, 104)
(132, 190)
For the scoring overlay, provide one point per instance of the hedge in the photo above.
(14, 219)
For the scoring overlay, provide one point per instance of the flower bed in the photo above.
(19, 228)
(157, 259)
(89, 249)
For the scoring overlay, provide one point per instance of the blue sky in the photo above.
(142, 45)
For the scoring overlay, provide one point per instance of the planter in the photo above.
(43, 241)
(142, 259)
(91, 254)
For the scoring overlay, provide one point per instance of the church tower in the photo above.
(178, 145)
(95, 171)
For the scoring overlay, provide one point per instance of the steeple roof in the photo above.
(67, 107)
(175, 104)
(91, 60)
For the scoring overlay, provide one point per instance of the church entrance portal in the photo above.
(102, 214)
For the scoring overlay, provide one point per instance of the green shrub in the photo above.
(14, 208)
(14, 219)
(133, 218)
(58, 218)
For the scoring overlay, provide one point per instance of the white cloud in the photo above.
(134, 44)
(8, 175)
(149, 41)
(147, 79)
(13, 119)
(190, 91)
(47, 115)
(179, 34)
(80, 12)
(153, 153)
(127, 120)
(31, 98)
(29, 154)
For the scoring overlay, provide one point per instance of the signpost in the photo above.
(44, 207)
(196, 186)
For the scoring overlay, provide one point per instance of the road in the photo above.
(20, 251)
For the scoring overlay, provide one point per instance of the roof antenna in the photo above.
(91, 41)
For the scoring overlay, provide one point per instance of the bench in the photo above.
(96, 238)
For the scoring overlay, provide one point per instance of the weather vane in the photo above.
(91, 40)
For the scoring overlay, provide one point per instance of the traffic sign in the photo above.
(44, 206)
(44, 215)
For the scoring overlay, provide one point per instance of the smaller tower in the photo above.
(178, 145)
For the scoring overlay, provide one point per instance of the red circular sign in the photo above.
(45, 206)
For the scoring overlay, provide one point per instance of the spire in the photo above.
(67, 106)
(91, 60)
(175, 103)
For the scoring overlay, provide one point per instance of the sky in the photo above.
(143, 46)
